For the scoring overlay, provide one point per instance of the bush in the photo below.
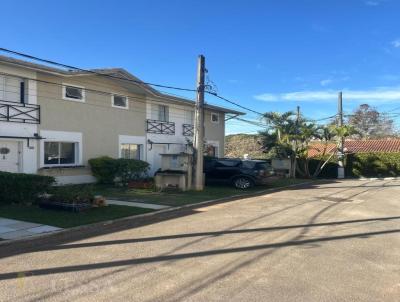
(379, 164)
(329, 171)
(23, 188)
(108, 170)
(104, 169)
(72, 194)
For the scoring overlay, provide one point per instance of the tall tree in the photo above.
(369, 123)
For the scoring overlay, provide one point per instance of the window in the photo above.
(159, 113)
(73, 93)
(130, 151)
(211, 151)
(189, 117)
(60, 153)
(12, 89)
(163, 113)
(119, 101)
(215, 117)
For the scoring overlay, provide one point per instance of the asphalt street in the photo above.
(333, 241)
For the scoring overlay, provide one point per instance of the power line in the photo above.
(91, 71)
(234, 103)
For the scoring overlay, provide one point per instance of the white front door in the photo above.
(9, 156)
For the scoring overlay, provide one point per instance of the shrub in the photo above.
(104, 169)
(378, 164)
(329, 170)
(108, 170)
(72, 194)
(23, 188)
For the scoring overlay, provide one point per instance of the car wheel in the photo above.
(242, 183)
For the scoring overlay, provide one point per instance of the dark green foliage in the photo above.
(72, 194)
(329, 171)
(104, 169)
(22, 188)
(373, 164)
(108, 170)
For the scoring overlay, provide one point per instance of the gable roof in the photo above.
(357, 146)
(116, 74)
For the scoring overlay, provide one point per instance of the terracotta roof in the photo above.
(358, 146)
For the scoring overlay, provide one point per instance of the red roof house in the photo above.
(357, 146)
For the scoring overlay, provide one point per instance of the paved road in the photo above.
(337, 241)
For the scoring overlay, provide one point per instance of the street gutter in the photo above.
(136, 220)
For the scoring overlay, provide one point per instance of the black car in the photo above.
(243, 174)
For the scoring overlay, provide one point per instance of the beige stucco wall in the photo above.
(99, 122)
(215, 131)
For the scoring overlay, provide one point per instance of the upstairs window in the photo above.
(120, 101)
(159, 112)
(214, 117)
(189, 117)
(163, 113)
(12, 89)
(73, 93)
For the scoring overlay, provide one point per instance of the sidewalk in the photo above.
(16, 229)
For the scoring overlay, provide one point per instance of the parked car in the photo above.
(243, 174)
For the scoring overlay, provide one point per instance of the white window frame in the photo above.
(135, 140)
(214, 114)
(64, 97)
(116, 106)
(62, 137)
(76, 152)
(166, 113)
(139, 148)
(216, 145)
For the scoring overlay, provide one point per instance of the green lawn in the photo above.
(65, 219)
(181, 198)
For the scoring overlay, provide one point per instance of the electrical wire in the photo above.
(91, 71)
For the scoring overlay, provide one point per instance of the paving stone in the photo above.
(6, 221)
(4, 229)
(43, 229)
(16, 234)
(22, 225)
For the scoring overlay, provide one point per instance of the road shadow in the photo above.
(144, 260)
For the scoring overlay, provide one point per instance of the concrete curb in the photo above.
(154, 213)
(379, 178)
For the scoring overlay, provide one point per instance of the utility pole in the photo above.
(294, 161)
(341, 138)
(198, 136)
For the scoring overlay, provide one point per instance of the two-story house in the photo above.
(52, 121)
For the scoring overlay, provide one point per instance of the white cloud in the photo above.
(376, 95)
(326, 82)
(396, 43)
(372, 3)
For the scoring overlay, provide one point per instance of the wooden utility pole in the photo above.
(341, 138)
(294, 161)
(198, 136)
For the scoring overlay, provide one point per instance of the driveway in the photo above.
(337, 241)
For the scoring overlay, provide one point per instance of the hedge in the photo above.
(373, 164)
(330, 170)
(108, 170)
(23, 188)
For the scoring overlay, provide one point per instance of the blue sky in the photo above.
(266, 55)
